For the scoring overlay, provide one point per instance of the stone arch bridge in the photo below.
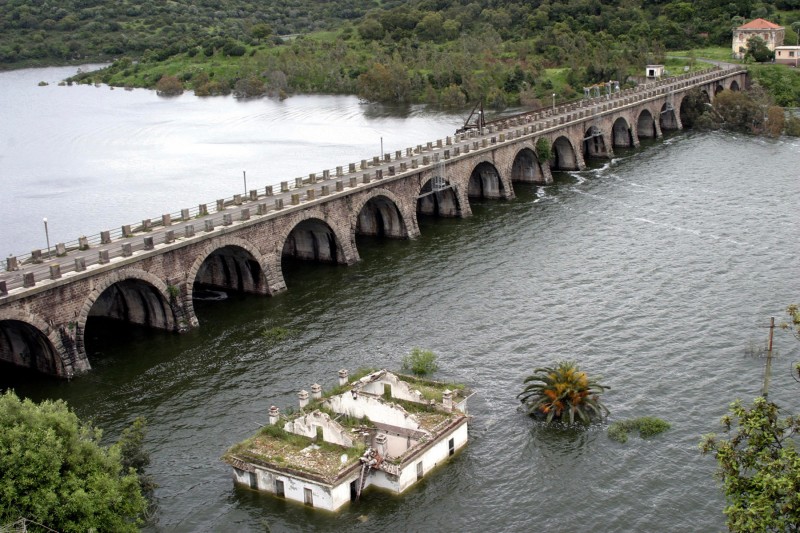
(147, 274)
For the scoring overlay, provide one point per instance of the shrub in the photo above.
(647, 426)
(420, 362)
(169, 86)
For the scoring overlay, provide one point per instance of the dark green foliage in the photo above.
(420, 362)
(544, 152)
(445, 52)
(54, 471)
(759, 467)
(647, 426)
(757, 50)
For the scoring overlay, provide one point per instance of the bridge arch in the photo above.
(28, 341)
(311, 238)
(564, 155)
(646, 125)
(229, 263)
(438, 197)
(621, 133)
(734, 85)
(594, 144)
(133, 296)
(380, 213)
(719, 88)
(485, 182)
(526, 167)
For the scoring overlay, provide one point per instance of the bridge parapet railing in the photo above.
(539, 119)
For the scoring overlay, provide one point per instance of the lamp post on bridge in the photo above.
(244, 177)
(554, 103)
(47, 236)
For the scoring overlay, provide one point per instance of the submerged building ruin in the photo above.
(383, 429)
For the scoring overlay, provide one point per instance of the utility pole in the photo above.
(768, 367)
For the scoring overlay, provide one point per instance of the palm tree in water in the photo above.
(563, 392)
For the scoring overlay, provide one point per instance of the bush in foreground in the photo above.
(54, 471)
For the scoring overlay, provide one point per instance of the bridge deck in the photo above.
(34, 272)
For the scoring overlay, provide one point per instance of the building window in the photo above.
(791, 54)
(308, 497)
(419, 470)
(452, 445)
(279, 491)
(253, 480)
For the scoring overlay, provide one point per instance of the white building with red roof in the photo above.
(769, 31)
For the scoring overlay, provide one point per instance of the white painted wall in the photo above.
(332, 431)
(374, 408)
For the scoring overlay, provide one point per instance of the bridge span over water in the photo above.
(147, 273)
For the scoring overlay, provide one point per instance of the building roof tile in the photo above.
(759, 24)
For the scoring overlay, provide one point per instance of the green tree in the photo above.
(759, 467)
(54, 471)
(757, 50)
(261, 31)
(562, 392)
(420, 362)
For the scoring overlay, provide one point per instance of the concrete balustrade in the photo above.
(169, 237)
(80, 264)
(105, 237)
(278, 204)
(298, 183)
(11, 264)
(166, 220)
(148, 243)
(55, 271)
(220, 205)
(209, 225)
(365, 178)
(126, 231)
(253, 195)
(284, 186)
(339, 186)
(296, 199)
(202, 210)
(127, 249)
(28, 280)
(311, 194)
(245, 214)
(188, 231)
(102, 257)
